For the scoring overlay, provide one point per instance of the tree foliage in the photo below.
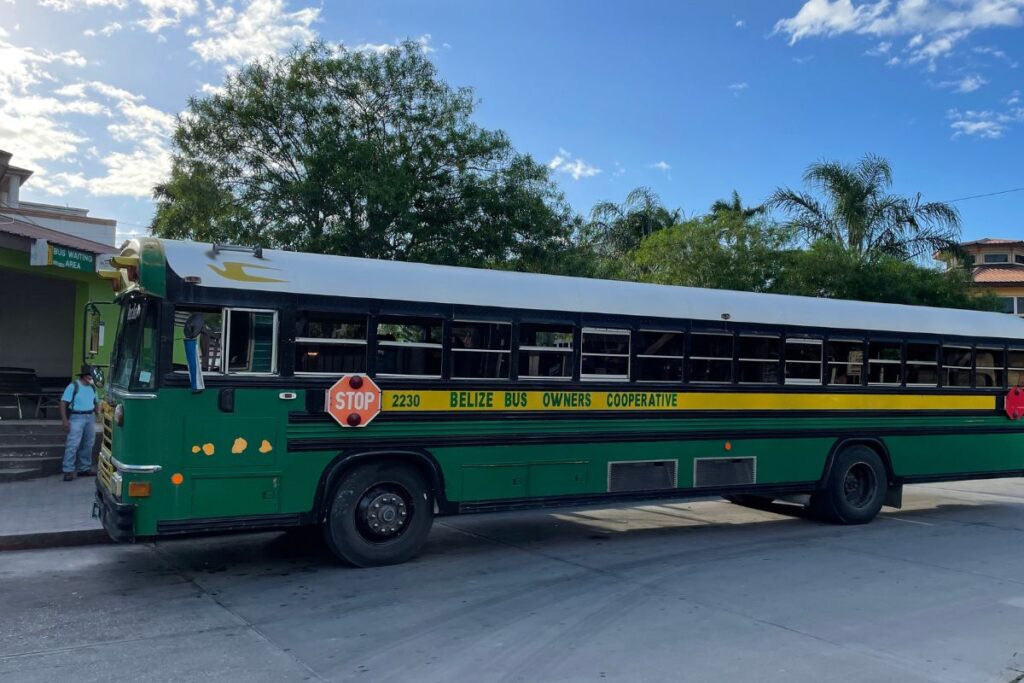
(353, 153)
(856, 210)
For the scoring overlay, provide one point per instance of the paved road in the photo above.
(696, 591)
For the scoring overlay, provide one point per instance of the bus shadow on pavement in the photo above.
(620, 527)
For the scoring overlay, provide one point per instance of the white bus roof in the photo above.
(296, 272)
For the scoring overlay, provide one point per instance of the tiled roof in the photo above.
(23, 229)
(991, 241)
(998, 275)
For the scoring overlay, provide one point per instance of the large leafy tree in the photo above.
(332, 151)
(721, 250)
(615, 229)
(852, 206)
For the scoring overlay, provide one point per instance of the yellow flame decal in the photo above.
(233, 270)
(208, 448)
(265, 447)
(239, 446)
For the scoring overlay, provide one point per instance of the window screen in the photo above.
(330, 344)
(409, 347)
(710, 357)
(481, 350)
(545, 351)
(604, 354)
(659, 356)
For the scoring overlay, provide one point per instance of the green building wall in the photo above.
(87, 287)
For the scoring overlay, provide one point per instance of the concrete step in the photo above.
(14, 429)
(38, 466)
(22, 439)
(9, 474)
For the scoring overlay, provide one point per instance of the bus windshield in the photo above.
(134, 362)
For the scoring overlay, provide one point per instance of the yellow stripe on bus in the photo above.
(436, 400)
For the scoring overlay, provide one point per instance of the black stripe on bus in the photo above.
(299, 445)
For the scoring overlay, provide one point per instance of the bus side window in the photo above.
(803, 361)
(409, 347)
(956, 366)
(659, 356)
(1016, 363)
(989, 363)
(481, 350)
(922, 364)
(329, 344)
(884, 362)
(210, 339)
(251, 341)
(710, 357)
(759, 359)
(604, 354)
(545, 351)
(845, 361)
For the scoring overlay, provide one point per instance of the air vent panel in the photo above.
(646, 475)
(724, 471)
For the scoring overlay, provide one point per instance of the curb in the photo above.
(53, 539)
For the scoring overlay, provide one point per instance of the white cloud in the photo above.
(263, 27)
(563, 162)
(881, 49)
(380, 48)
(164, 13)
(111, 28)
(738, 88)
(73, 5)
(1013, 99)
(966, 84)
(662, 166)
(936, 26)
(740, 23)
(211, 89)
(618, 171)
(984, 124)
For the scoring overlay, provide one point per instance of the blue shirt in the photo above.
(85, 399)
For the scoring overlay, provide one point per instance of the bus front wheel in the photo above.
(380, 513)
(855, 488)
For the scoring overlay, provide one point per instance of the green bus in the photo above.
(260, 389)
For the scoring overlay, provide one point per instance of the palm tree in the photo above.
(618, 228)
(856, 210)
(734, 207)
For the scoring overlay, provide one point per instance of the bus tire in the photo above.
(380, 513)
(855, 488)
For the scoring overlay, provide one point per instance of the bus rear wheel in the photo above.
(855, 488)
(380, 513)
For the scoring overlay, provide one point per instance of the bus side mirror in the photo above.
(193, 328)
(194, 325)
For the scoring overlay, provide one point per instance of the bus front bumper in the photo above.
(118, 519)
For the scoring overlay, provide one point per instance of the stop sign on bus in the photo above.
(353, 401)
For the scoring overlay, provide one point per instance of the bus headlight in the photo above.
(115, 482)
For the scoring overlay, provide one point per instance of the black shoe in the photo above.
(87, 473)
(69, 476)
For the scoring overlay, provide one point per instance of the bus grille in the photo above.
(105, 468)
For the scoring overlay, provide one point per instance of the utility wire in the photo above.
(987, 194)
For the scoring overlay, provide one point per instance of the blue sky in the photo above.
(693, 99)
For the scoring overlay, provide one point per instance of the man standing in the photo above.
(78, 413)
